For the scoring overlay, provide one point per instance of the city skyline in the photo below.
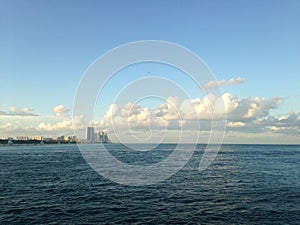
(91, 137)
(251, 47)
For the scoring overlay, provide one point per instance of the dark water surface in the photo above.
(246, 184)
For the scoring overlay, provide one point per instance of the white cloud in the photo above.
(15, 111)
(63, 125)
(113, 109)
(236, 124)
(232, 81)
(248, 115)
(260, 106)
(60, 111)
(244, 115)
(175, 109)
(169, 110)
(289, 124)
(27, 125)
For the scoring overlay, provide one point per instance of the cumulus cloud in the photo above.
(246, 115)
(212, 105)
(60, 111)
(169, 110)
(289, 124)
(232, 81)
(113, 109)
(63, 125)
(131, 115)
(242, 114)
(15, 111)
(248, 109)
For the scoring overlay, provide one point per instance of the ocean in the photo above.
(246, 184)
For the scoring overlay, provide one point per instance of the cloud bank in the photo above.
(244, 116)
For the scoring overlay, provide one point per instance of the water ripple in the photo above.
(247, 184)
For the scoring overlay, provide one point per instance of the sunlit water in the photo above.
(246, 184)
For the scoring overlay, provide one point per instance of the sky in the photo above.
(251, 47)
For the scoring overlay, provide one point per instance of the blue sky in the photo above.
(46, 46)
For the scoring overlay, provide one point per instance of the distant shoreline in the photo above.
(34, 142)
(4, 142)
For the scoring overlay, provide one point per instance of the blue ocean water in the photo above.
(246, 184)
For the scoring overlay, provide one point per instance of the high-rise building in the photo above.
(90, 136)
(96, 136)
(103, 137)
